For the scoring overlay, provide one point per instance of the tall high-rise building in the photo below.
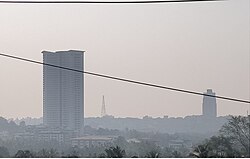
(63, 90)
(209, 106)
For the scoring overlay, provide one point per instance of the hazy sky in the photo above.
(191, 46)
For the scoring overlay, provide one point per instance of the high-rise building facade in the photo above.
(209, 106)
(63, 90)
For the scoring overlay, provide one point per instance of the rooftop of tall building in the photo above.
(69, 51)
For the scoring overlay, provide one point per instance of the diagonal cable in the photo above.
(107, 2)
(125, 79)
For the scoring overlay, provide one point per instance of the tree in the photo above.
(153, 154)
(200, 151)
(52, 153)
(24, 154)
(145, 147)
(167, 152)
(233, 141)
(74, 153)
(216, 147)
(102, 155)
(238, 130)
(22, 124)
(221, 146)
(43, 153)
(176, 154)
(121, 142)
(115, 152)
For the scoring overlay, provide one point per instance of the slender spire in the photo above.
(103, 113)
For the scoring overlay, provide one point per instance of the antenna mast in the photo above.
(103, 113)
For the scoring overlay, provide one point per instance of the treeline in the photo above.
(143, 150)
(232, 141)
(130, 149)
(9, 126)
(189, 124)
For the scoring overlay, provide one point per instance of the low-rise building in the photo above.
(133, 140)
(24, 136)
(177, 144)
(91, 141)
(4, 135)
(51, 136)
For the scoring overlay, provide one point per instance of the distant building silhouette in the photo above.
(63, 90)
(209, 106)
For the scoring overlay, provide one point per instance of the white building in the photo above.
(5, 135)
(88, 141)
(209, 106)
(63, 90)
(24, 136)
(51, 136)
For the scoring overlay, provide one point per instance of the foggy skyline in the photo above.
(193, 46)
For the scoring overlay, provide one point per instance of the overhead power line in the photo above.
(124, 79)
(107, 2)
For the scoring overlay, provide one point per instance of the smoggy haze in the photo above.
(192, 46)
